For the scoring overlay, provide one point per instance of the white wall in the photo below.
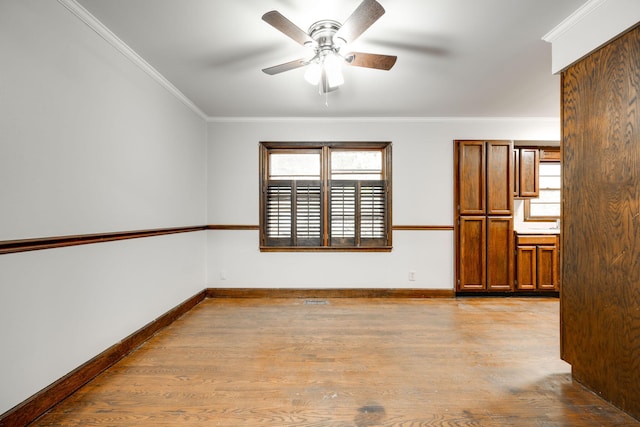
(89, 143)
(593, 25)
(422, 165)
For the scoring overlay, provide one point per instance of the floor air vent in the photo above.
(316, 302)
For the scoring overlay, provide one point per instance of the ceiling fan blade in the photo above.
(291, 65)
(362, 18)
(282, 24)
(371, 60)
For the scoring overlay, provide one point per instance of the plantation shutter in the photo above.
(308, 213)
(373, 215)
(343, 216)
(293, 213)
(358, 212)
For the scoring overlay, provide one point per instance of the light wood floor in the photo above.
(348, 363)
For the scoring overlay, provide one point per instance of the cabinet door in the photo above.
(471, 178)
(472, 261)
(500, 253)
(499, 178)
(550, 154)
(529, 165)
(515, 174)
(547, 268)
(526, 261)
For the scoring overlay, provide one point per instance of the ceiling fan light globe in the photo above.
(312, 75)
(333, 69)
(335, 79)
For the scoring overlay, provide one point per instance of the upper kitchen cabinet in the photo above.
(526, 168)
(550, 154)
(484, 181)
(528, 172)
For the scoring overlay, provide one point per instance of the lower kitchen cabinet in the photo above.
(537, 260)
(485, 254)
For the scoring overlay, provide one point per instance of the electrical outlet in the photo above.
(223, 275)
(412, 276)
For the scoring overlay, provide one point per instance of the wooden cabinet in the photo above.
(471, 177)
(499, 184)
(526, 172)
(472, 253)
(537, 262)
(484, 207)
(499, 253)
(515, 172)
(485, 253)
(550, 154)
(484, 170)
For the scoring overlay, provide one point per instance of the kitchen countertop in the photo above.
(538, 231)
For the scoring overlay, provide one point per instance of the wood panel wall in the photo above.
(600, 299)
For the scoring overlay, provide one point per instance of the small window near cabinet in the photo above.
(545, 207)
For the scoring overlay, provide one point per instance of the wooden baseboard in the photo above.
(327, 293)
(44, 400)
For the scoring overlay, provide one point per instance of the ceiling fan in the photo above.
(327, 38)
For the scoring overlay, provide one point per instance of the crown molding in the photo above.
(380, 119)
(98, 27)
(573, 19)
(92, 22)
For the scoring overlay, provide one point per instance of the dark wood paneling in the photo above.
(44, 400)
(601, 221)
(13, 246)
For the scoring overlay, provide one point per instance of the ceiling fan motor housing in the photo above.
(322, 32)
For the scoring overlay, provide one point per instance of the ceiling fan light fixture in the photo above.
(313, 73)
(328, 38)
(332, 67)
(326, 71)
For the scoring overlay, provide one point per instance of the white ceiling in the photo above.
(456, 58)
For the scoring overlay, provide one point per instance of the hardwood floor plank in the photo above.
(351, 363)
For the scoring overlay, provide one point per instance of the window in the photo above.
(547, 205)
(325, 196)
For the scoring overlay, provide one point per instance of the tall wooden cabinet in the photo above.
(484, 211)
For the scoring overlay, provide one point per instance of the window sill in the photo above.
(325, 249)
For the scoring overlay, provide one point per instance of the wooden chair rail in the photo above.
(23, 245)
